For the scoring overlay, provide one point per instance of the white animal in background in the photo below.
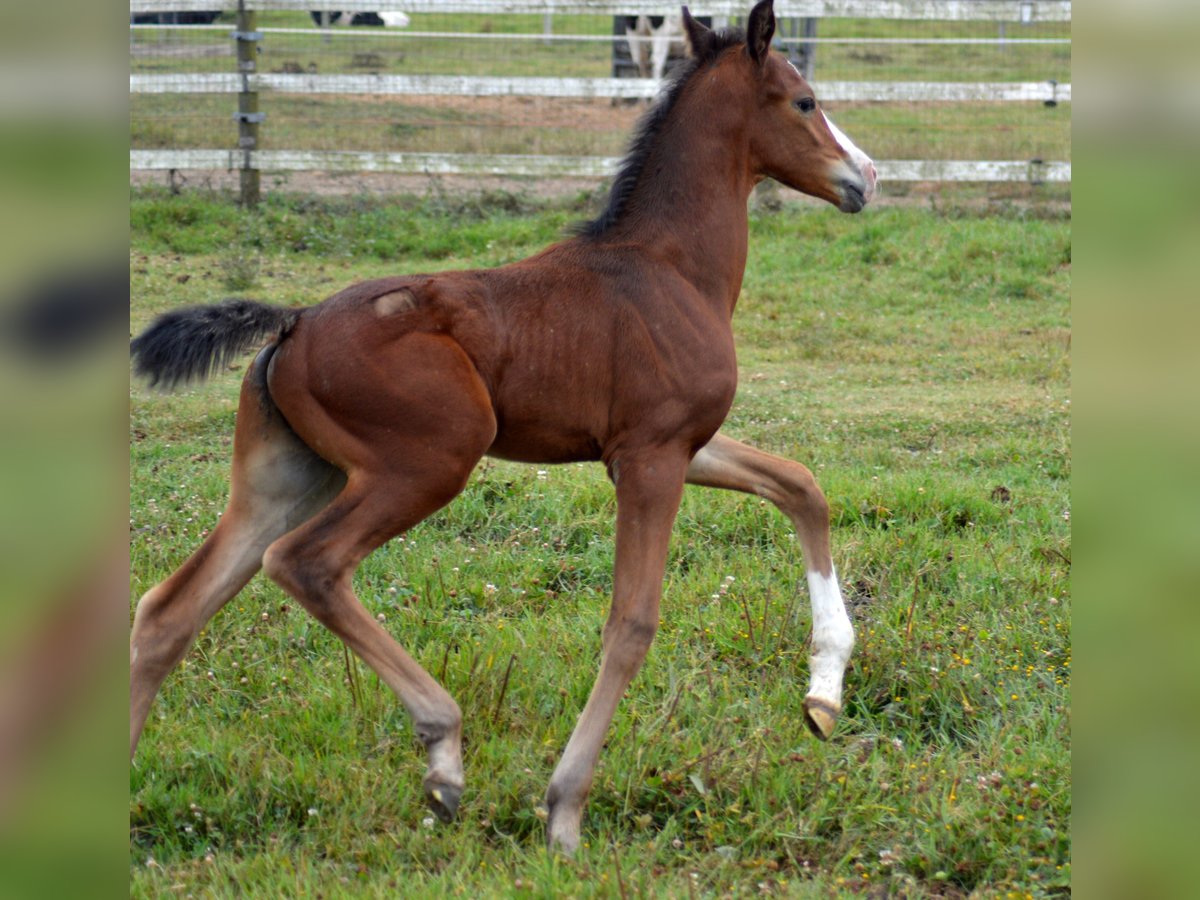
(651, 44)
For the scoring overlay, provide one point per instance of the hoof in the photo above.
(443, 799)
(562, 832)
(820, 716)
(563, 843)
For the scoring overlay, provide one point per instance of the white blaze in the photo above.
(860, 159)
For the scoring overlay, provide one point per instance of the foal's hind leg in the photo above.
(408, 444)
(277, 482)
(726, 463)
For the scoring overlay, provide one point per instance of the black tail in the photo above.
(192, 343)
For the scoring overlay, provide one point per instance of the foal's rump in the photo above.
(375, 377)
(191, 343)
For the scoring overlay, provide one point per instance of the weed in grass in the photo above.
(241, 269)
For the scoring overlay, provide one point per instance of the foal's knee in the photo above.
(307, 578)
(628, 640)
(802, 497)
(154, 643)
(276, 566)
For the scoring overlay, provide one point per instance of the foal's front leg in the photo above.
(729, 464)
(649, 489)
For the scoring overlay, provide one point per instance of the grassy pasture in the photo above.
(489, 125)
(918, 361)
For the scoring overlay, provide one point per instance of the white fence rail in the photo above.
(548, 166)
(615, 88)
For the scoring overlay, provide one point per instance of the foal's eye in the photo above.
(806, 104)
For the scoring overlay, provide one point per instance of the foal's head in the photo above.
(790, 138)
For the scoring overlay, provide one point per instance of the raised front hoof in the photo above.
(443, 799)
(821, 716)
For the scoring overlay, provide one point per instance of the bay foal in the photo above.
(368, 412)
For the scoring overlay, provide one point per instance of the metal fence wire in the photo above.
(967, 90)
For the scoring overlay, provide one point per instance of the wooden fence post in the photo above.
(248, 117)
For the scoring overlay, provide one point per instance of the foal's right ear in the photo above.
(699, 37)
(759, 30)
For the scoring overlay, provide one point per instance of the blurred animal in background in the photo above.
(392, 19)
(653, 40)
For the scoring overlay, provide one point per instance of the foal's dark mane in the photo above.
(648, 130)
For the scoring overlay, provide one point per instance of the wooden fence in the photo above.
(248, 84)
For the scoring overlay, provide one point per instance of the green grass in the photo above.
(389, 125)
(919, 362)
(487, 126)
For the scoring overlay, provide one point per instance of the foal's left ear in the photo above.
(759, 31)
(699, 36)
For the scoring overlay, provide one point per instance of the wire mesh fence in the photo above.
(445, 90)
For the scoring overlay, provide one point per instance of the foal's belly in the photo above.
(542, 442)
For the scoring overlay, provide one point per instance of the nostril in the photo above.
(853, 196)
(871, 176)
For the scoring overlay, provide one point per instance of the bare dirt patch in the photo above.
(600, 115)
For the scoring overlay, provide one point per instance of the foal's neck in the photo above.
(689, 205)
